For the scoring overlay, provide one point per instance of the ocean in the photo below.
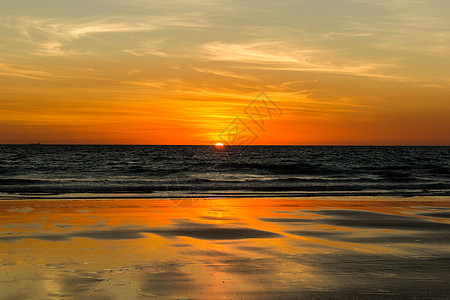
(94, 171)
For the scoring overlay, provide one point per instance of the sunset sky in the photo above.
(342, 72)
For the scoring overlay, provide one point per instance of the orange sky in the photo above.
(146, 72)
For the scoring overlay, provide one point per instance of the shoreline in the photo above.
(221, 195)
(324, 198)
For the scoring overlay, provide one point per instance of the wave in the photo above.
(155, 169)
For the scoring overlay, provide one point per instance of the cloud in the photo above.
(275, 55)
(225, 73)
(10, 70)
(70, 29)
(247, 52)
(57, 37)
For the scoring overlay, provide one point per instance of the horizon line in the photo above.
(212, 145)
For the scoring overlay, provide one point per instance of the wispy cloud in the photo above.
(10, 70)
(273, 55)
(56, 36)
(225, 73)
(255, 52)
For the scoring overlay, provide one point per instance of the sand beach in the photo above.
(311, 248)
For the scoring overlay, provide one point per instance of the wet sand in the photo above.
(309, 248)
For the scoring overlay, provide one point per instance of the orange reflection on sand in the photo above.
(221, 248)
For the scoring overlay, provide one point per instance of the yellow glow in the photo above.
(114, 75)
(155, 239)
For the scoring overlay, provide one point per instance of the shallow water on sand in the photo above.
(225, 248)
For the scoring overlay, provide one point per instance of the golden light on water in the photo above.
(221, 248)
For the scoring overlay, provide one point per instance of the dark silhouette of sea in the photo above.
(91, 171)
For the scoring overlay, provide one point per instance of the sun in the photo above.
(219, 145)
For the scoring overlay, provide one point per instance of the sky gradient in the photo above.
(350, 72)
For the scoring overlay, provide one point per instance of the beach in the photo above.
(194, 149)
(267, 248)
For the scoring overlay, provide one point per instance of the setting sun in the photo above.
(219, 145)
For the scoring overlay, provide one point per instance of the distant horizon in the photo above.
(212, 145)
